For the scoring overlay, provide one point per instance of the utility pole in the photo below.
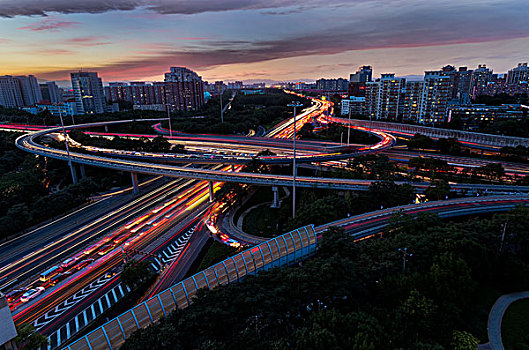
(294, 104)
(72, 170)
(405, 254)
(221, 108)
(169, 120)
(503, 235)
(349, 126)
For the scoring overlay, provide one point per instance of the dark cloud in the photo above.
(370, 26)
(12, 8)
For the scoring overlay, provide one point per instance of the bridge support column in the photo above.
(233, 167)
(210, 186)
(135, 188)
(74, 173)
(275, 203)
(83, 171)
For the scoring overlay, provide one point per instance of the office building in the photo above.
(29, 88)
(51, 92)
(10, 93)
(354, 105)
(362, 75)
(65, 108)
(358, 80)
(88, 92)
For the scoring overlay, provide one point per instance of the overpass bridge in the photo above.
(28, 143)
(472, 139)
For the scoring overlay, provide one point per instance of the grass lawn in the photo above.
(216, 253)
(515, 326)
(261, 221)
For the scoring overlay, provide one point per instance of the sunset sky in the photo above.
(256, 39)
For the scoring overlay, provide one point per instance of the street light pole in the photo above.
(169, 119)
(405, 254)
(72, 170)
(294, 104)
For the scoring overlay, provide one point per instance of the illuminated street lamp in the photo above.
(405, 255)
(74, 175)
(294, 104)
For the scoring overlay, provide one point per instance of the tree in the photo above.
(449, 145)
(30, 338)
(462, 340)
(438, 190)
(493, 171)
(136, 273)
(420, 141)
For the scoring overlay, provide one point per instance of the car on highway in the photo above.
(84, 264)
(31, 294)
(14, 295)
(57, 278)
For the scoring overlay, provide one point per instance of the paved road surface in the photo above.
(495, 318)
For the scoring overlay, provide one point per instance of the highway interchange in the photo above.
(179, 207)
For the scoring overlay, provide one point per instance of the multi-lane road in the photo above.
(173, 215)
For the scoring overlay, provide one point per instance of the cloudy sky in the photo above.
(258, 39)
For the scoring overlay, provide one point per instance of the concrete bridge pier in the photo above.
(135, 188)
(275, 203)
(210, 187)
(74, 173)
(83, 171)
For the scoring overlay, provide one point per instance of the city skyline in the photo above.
(264, 41)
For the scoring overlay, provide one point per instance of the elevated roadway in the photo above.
(468, 138)
(28, 143)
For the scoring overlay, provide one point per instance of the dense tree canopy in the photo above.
(354, 295)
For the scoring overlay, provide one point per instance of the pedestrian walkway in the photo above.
(495, 319)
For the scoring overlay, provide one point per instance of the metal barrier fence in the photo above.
(277, 252)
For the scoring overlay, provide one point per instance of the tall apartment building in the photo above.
(389, 97)
(88, 92)
(518, 74)
(462, 88)
(411, 100)
(479, 79)
(339, 84)
(436, 95)
(10, 93)
(30, 89)
(371, 96)
(237, 85)
(184, 89)
(51, 92)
